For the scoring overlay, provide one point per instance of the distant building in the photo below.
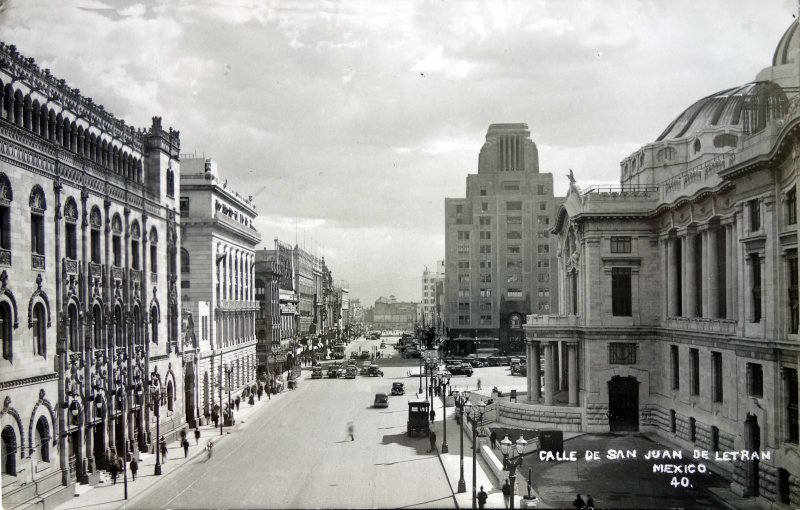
(217, 271)
(428, 312)
(388, 314)
(278, 304)
(498, 253)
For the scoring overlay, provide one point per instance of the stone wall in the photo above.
(568, 419)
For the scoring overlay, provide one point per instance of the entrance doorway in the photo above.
(188, 393)
(99, 445)
(119, 432)
(752, 442)
(75, 456)
(623, 404)
(9, 451)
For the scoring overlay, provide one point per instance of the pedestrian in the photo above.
(433, 415)
(351, 431)
(114, 470)
(162, 444)
(215, 418)
(482, 498)
(493, 439)
(196, 436)
(589, 501)
(185, 447)
(432, 438)
(260, 392)
(250, 399)
(578, 503)
(134, 468)
(237, 403)
(506, 493)
(479, 384)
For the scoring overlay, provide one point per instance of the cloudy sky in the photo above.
(351, 121)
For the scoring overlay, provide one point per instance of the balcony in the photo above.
(632, 199)
(236, 304)
(552, 321)
(701, 324)
(248, 233)
(702, 175)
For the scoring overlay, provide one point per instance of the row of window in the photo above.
(541, 189)
(756, 384)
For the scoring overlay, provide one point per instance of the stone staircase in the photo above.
(44, 493)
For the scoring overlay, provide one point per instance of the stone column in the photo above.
(729, 271)
(572, 364)
(673, 284)
(711, 251)
(548, 373)
(690, 279)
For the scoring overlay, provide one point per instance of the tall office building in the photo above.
(498, 250)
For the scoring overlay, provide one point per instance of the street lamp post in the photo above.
(228, 371)
(443, 386)
(512, 459)
(121, 403)
(462, 399)
(420, 375)
(155, 402)
(475, 413)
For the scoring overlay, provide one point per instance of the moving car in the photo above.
(418, 418)
(412, 353)
(398, 389)
(374, 371)
(364, 355)
(462, 369)
(381, 400)
(333, 371)
(476, 363)
(351, 372)
(365, 368)
(316, 373)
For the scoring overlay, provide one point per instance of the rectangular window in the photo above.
(543, 248)
(185, 284)
(621, 291)
(514, 292)
(485, 248)
(486, 278)
(513, 220)
(117, 250)
(485, 264)
(544, 292)
(544, 277)
(543, 263)
(544, 307)
(621, 353)
(514, 234)
(543, 220)
(485, 220)
(463, 307)
(755, 380)
(513, 206)
(513, 264)
(755, 215)
(463, 235)
(463, 264)
(153, 258)
(543, 234)
(675, 367)
(512, 278)
(184, 205)
(71, 241)
(463, 320)
(459, 208)
(673, 421)
(514, 250)
(482, 192)
(5, 227)
(791, 207)
(510, 185)
(484, 206)
(792, 302)
(714, 438)
(463, 248)
(463, 293)
(463, 278)
(692, 430)
(716, 377)
(620, 244)
(755, 269)
(694, 372)
(792, 418)
(486, 292)
(95, 246)
(135, 255)
(486, 319)
(485, 234)
(540, 189)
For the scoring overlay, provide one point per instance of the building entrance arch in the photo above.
(188, 393)
(623, 404)
(752, 442)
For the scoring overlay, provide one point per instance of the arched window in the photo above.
(71, 230)
(154, 324)
(42, 440)
(170, 183)
(97, 326)
(516, 323)
(137, 326)
(74, 339)
(18, 103)
(116, 240)
(9, 451)
(153, 250)
(170, 397)
(185, 262)
(697, 146)
(119, 327)
(135, 235)
(96, 224)
(38, 206)
(39, 330)
(6, 323)
(6, 195)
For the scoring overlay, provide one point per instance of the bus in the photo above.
(338, 351)
(485, 352)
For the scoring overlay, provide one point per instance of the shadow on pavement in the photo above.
(420, 444)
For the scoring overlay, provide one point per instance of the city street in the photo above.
(294, 454)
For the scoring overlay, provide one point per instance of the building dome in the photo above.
(745, 109)
(787, 47)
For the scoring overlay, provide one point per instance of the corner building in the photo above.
(678, 307)
(217, 283)
(89, 317)
(498, 251)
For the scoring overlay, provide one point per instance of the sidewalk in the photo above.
(451, 464)
(108, 495)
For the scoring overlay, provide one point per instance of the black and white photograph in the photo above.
(345, 254)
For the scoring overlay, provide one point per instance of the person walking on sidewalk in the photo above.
(493, 439)
(162, 445)
(196, 436)
(482, 498)
(237, 403)
(432, 438)
(579, 503)
(506, 493)
(114, 470)
(433, 415)
(351, 431)
(185, 448)
(134, 468)
(589, 501)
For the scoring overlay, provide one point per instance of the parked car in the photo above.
(412, 354)
(333, 371)
(351, 372)
(462, 369)
(381, 400)
(398, 389)
(364, 370)
(316, 373)
(418, 418)
(374, 371)
(476, 363)
(364, 355)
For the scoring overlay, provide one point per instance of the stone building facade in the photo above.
(678, 309)
(278, 301)
(89, 309)
(388, 314)
(217, 270)
(498, 254)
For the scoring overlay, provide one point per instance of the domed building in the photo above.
(678, 291)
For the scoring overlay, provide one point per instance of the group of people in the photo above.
(579, 503)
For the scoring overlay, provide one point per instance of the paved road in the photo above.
(295, 456)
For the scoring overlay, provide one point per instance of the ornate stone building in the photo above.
(218, 272)
(88, 301)
(678, 309)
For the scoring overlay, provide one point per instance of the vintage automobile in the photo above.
(364, 355)
(383, 345)
(462, 369)
(398, 389)
(418, 415)
(351, 372)
(476, 363)
(374, 371)
(333, 371)
(412, 353)
(364, 370)
(381, 400)
(316, 373)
